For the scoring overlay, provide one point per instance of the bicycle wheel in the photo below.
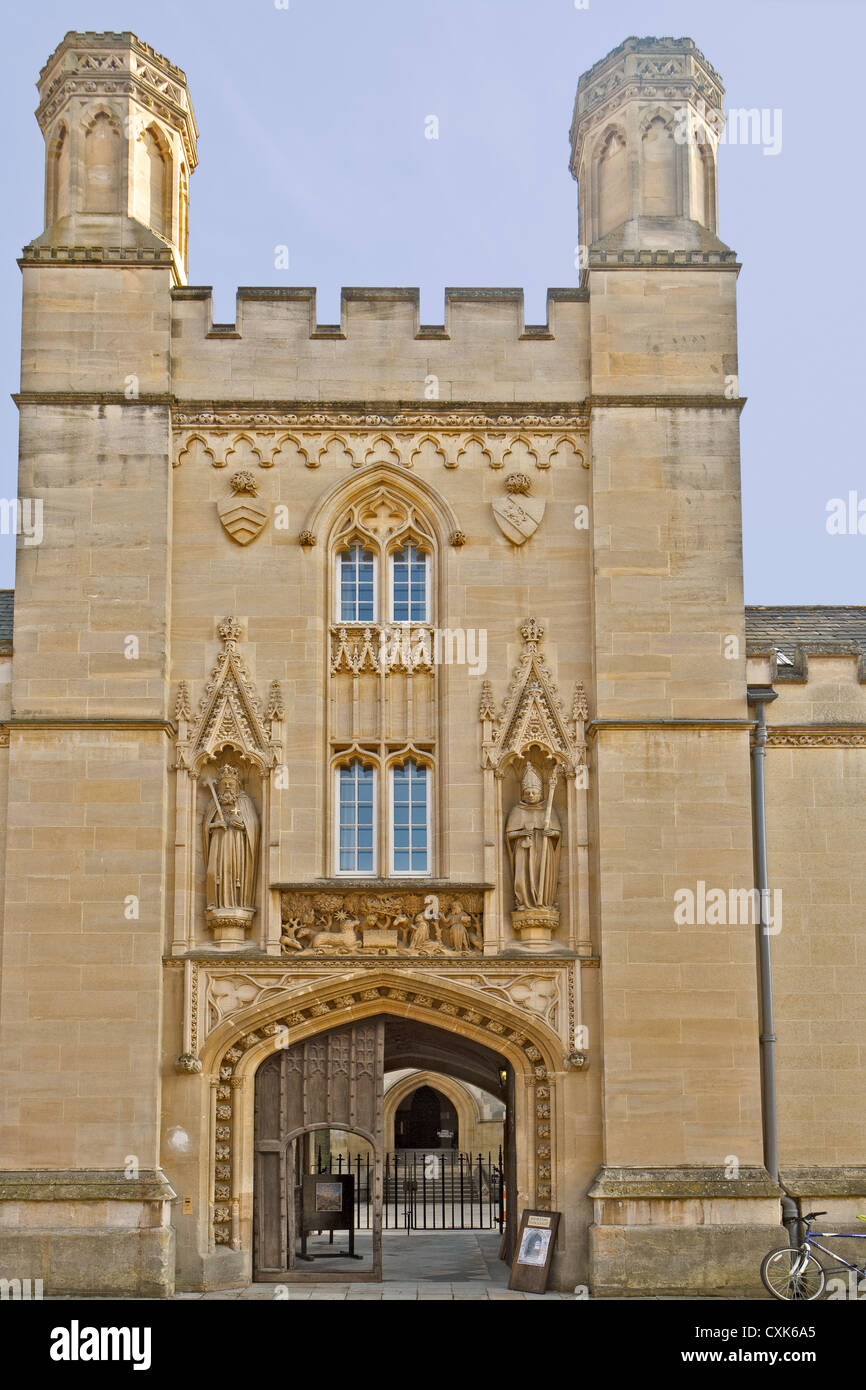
(792, 1273)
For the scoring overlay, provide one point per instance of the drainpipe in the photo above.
(759, 697)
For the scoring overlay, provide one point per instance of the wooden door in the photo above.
(333, 1080)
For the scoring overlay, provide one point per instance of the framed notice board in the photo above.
(328, 1201)
(536, 1239)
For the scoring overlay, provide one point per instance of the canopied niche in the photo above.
(535, 792)
(659, 167)
(102, 164)
(611, 175)
(154, 181)
(57, 168)
(227, 758)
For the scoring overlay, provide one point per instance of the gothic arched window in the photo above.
(383, 548)
(383, 717)
(356, 816)
(410, 819)
(410, 585)
(356, 596)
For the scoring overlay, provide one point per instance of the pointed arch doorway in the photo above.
(333, 1082)
(426, 1119)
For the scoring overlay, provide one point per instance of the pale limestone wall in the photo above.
(672, 801)
(92, 328)
(88, 805)
(81, 984)
(100, 575)
(482, 352)
(670, 331)
(680, 1024)
(5, 708)
(816, 826)
(667, 551)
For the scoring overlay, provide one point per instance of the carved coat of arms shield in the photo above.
(518, 517)
(241, 515)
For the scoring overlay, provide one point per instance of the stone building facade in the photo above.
(392, 676)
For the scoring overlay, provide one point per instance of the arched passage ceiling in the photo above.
(421, 1045)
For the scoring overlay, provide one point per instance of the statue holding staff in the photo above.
(533, 836)
(231, 843)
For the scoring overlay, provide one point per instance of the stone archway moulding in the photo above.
(234, 1051)
(342, 493)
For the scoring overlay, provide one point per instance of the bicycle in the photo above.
(792, 1272)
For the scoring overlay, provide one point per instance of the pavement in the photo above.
(421, 1265)
(449, 1266)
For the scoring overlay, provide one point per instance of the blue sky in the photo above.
(312, 122)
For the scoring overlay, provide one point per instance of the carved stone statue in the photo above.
(231, 834)
(533, 834)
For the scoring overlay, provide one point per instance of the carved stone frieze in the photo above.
(219, 990)
(359, 651)
(816, 738)
(409, 923)
(262, 441)
(535, 992)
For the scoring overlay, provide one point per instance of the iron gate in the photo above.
(427, 1190)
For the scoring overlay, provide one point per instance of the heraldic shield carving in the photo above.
(242, 517)
(518, 515)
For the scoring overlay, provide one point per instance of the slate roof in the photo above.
(814, 628)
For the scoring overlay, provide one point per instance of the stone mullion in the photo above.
(383, 710)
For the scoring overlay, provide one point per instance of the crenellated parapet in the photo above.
(482, 350)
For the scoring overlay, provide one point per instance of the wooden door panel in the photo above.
(333, 1080)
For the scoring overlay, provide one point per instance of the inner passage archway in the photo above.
(427, 1120)
(319, 1126)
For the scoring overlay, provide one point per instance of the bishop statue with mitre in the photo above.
(231, 832)
(533, 834)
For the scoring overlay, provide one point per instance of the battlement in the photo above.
(483, 349)
(91, 39)
(386, 302)
(649, 44)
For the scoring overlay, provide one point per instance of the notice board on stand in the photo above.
(536, 1239)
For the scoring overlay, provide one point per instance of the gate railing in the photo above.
(426, 1189)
